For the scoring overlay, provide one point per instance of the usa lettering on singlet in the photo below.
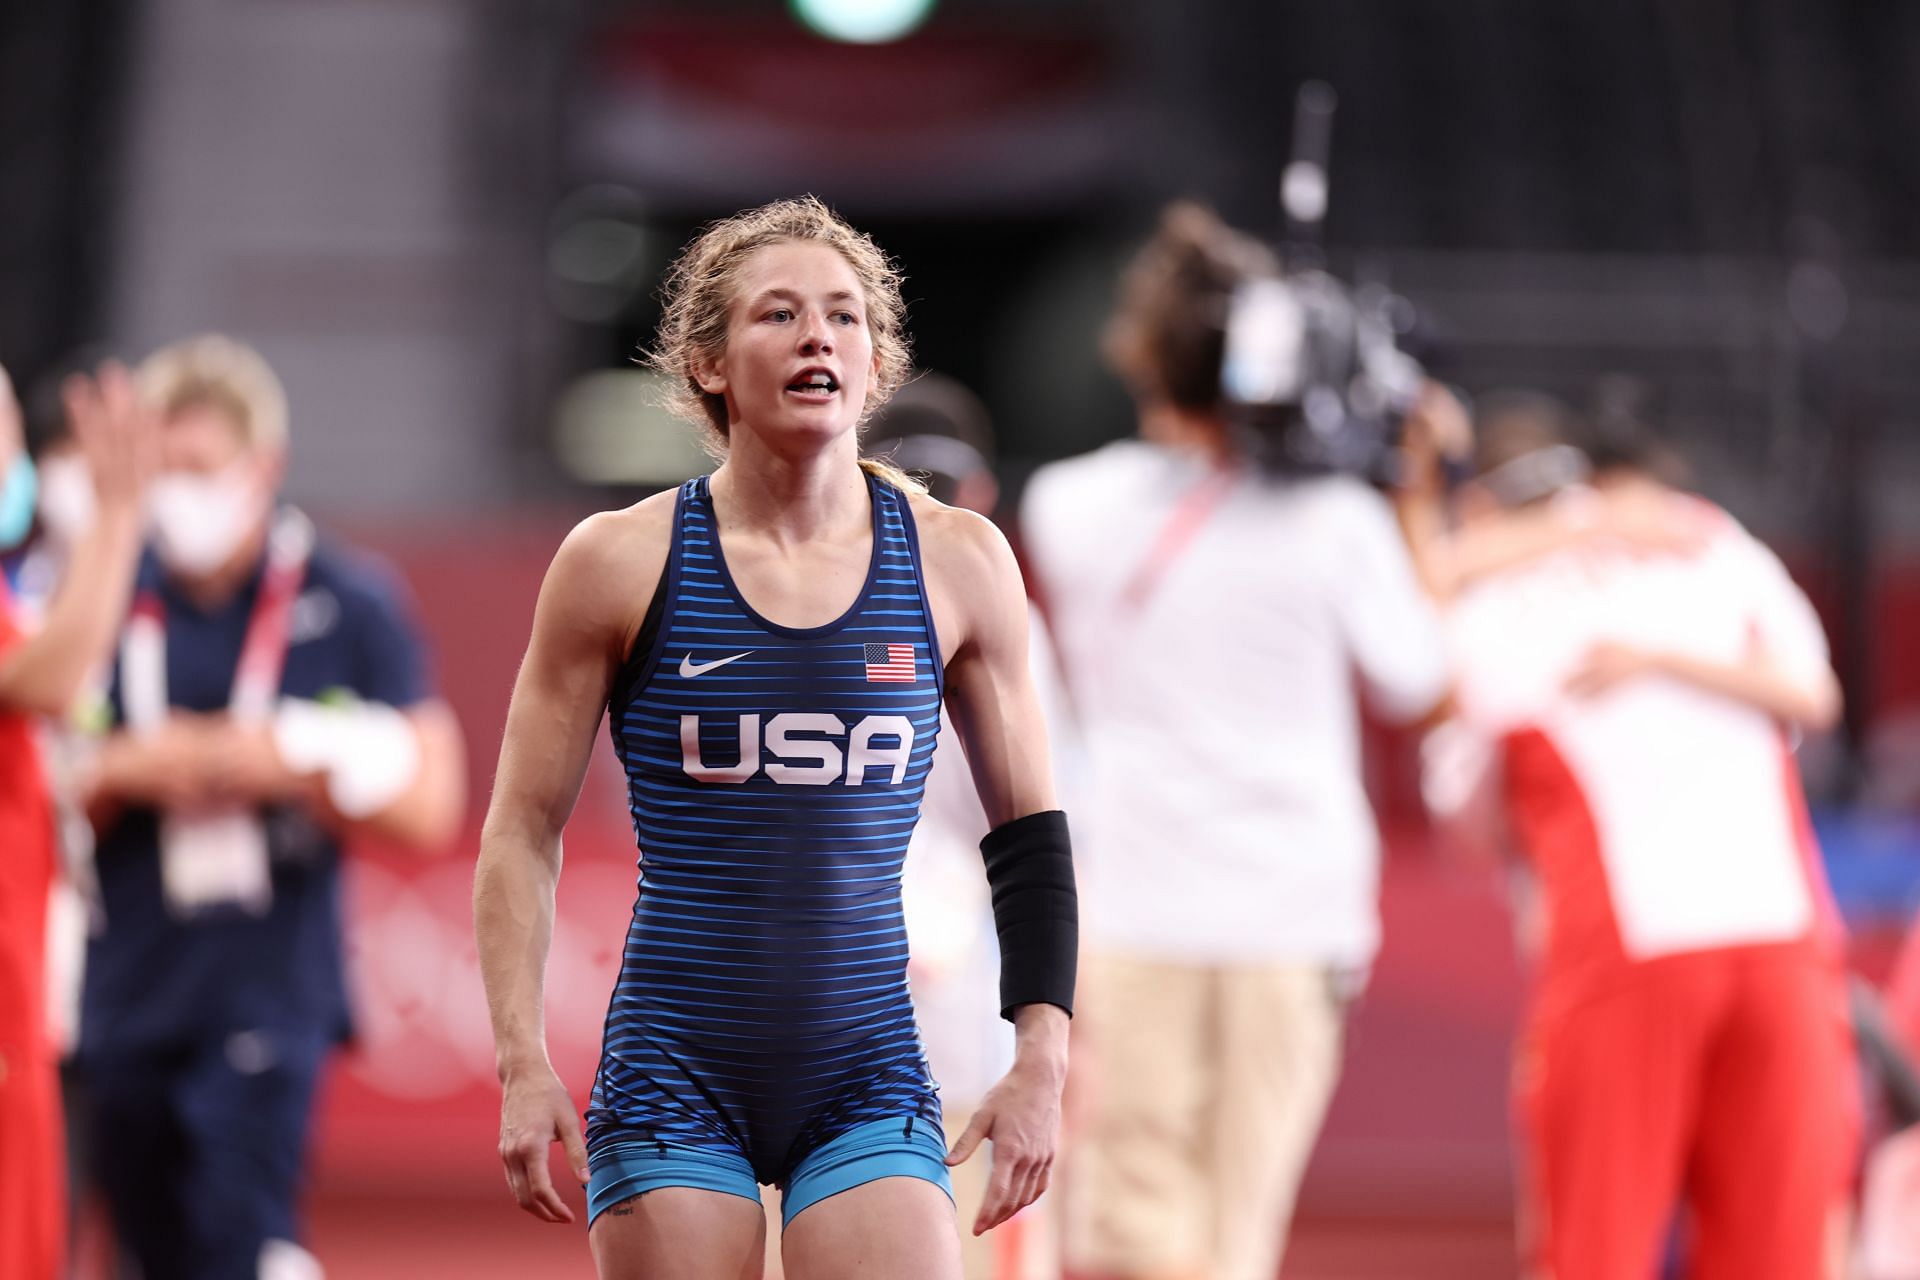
(774, 777)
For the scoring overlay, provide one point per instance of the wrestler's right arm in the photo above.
(590, 608)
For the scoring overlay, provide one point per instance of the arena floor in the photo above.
(366, 1238)
(362, 1239)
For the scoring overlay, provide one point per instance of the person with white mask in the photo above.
(43, 666)
(270, 701)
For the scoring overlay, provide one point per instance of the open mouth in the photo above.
(817, 382)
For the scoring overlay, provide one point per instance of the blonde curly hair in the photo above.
(701, 285)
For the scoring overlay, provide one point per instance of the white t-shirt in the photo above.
(1688, 800)
(1226, 818)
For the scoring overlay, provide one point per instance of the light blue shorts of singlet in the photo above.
(878, 1149)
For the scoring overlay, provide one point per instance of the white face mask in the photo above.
(67, 503)
(199, 521)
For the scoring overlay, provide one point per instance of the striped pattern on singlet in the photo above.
(774, 775)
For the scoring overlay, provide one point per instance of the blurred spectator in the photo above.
(67, 511)
(934, 428)
(937, 430)
(1688, 1037)
(1890, 1195)
(1211, 620)
(41, 673)
(1454, 545)
(270, 699)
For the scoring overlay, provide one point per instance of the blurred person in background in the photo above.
(1889, 1243)
(44, 665)
(65, 504)
(67, 511)
(1436, 447)
(1628, 712)
(1211, 620)
(939, 432)
(271, 700)
(761, 1030)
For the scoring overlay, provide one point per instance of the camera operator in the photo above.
(1214, 589)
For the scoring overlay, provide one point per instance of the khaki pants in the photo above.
(1199, 1092)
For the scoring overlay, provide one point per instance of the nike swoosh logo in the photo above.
(688, 670)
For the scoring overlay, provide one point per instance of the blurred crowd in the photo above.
(204, 698)
(205, 702)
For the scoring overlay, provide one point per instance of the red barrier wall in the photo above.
(1419, 1125)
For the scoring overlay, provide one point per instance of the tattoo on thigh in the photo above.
(625, 1208)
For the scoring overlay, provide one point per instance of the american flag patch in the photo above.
(890, 663)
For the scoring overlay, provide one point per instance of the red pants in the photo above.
(32, 1174)
(1723, 1079)
(33, 1223)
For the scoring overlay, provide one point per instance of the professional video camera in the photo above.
(1312, 377)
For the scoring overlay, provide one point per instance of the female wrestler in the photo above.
(773, 643)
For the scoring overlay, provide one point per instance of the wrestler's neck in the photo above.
(793, 495)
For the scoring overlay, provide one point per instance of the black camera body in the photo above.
(1312, 379)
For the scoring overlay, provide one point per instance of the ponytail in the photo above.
(886, 472)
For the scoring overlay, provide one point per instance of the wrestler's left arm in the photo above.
(981, 604)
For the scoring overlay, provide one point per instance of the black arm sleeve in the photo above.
(1036, 910)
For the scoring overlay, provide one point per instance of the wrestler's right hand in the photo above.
(536, 1112)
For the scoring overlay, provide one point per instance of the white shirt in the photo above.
(1227, 820)
(1689, 800)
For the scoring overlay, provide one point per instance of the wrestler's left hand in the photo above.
(1021, 1118)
